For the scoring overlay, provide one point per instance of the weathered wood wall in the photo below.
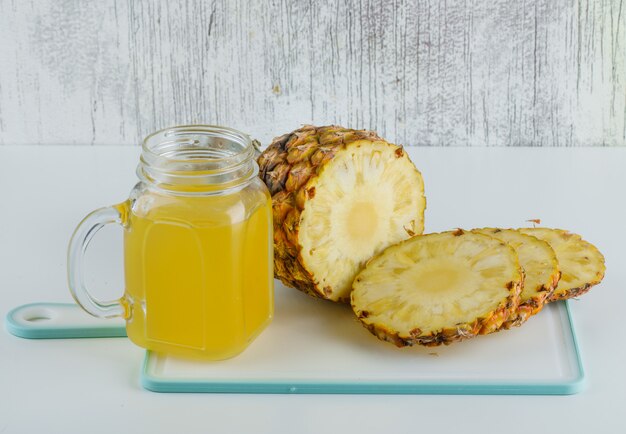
(431, 72)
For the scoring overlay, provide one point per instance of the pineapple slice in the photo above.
(541, 270)
(339, 197)
(438, 288)
(581, 263)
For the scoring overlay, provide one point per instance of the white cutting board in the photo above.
(316, 346)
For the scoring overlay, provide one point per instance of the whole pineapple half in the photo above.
(541, 270)
(581, 263)
(438, 289)
(339, 197)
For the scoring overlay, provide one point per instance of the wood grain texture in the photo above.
(420, 72)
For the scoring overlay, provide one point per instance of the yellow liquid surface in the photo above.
(199, 275)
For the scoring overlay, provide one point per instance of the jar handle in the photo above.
(75, 262)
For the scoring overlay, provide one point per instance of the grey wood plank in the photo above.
(420, 72)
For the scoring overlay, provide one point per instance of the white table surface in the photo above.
(92, 385)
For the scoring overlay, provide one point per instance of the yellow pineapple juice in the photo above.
(199, 280)
(198, 246)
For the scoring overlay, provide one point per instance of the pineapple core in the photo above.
(361, 221)
(439, 279)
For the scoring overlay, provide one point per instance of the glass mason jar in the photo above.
(197, 246)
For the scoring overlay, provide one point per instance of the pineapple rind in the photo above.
(292, 167)
(538, 260)
(581, 264)
(486, 317)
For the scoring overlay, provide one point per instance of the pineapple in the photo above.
(339, 197)
(438, 288)
(541, 270)
(581, 263)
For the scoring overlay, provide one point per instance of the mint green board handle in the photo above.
(60, 321)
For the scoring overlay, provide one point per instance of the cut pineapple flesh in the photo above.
(339, 197)
(541, 270)
(438, 288)
(581, 263)
(363, 202)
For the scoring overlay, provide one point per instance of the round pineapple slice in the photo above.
(541, 270)
(581, 263)
(339, 197)
(438, 288)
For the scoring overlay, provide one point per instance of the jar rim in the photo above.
(211, 156)
(158, 138)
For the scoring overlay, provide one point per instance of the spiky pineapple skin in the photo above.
(532, 306)
(287, 166)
